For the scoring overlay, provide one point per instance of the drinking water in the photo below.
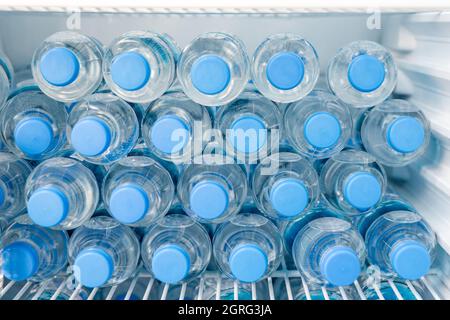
(396, 133)
(140, 66)
(103, 128)
(285, 67)
(103, 252)
(318, 126)
(248, 248)
(61, 193)
(6, 77)
(401, 244)
(176, 248)
(67, 66)
(137, 190)
(362, 74)
(30, 252)
(214, 69)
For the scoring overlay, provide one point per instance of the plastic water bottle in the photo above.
(67, 66)
(176, 249)
(388, 293)
(140, 66)
(318, 126)
(285, 185)
(61, 193)
(285, 67)
(401, 244)
(251, 127)
(103, 252)
(396, 133)
(30, 252)
(248, 248)
(353, 182)
(33, 125)
(329, 251)
(52, 290)
(103, 128)
(173, 127)
(363, 74)
(13, 175)
(6, 77)
(137, 190)
(214, 69)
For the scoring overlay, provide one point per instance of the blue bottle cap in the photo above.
(91, 136)
(340, 266)
(285, 70)
(249, 134)
(20, 261)
(59, 66)
(248, 262)
(208, 200)
(129, 203)
(362, 190)
(366, 73)
(130, 71)
(410, 259)
(170, 134)
(289, 197)
(210, 74)
(33, 135)
(322, 130)
(405, 134)
(48, 206)
(171, 263)
(93, 267)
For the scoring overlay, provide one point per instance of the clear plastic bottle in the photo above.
(173, 127)
(30, 252)
(285, 185)
(329, 251)
(67, 66)
(285, 67)
(13, 175)
(103, 128)
(353, 182)
(176, 249)
(248, 247)
(362, 74)
(103, 252)
(214, 69)
(6, 77)
(401, 244)
(61, 193)
(395, 132)
(318, 126)
(33, 125)
(137, 190)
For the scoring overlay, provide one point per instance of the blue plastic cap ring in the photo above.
(130, 71)
(410, 259)
(208, 200)
(366, 73)
(362, 190)
(171, 263)
(249, 134)
(129, 203)
(170, 134)
(59, 66)
(285, 70)
(93, 267)
(210, 74)
(289, 197)
(248, 262)
(405, 134)
(322, 130)
(33, 135)
(20, 261)
(91, 136)
(340, 266)
(48, 206)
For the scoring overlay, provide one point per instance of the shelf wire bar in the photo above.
(325, 293)
(41, 290)
(131, 288)
(111, 292)
(6, 288)
(148, 289)
(165, 291)
(92, 294)
(218, 286)
(413, 290)
(22, 291)
(76, 292)
(395, 289)
(361, 294)
(58, 290)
